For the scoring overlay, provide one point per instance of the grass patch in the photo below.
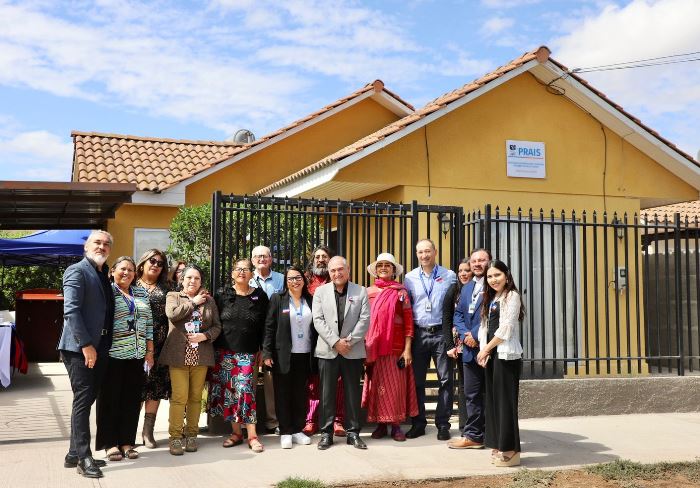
(625, 470)
(532, 478)
(299, 483)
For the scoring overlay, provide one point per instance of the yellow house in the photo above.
(170, 173)
(583, 283)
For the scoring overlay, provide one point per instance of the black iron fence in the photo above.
(605, 294)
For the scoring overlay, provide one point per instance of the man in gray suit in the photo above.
(341, 318)
(88, 314)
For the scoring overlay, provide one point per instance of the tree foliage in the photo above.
(190, 237)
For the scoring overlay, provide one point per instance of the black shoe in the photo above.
(326, 441)
(355, 441)
(415, 431)
(72, 462)
(88, 468)
(444, 434)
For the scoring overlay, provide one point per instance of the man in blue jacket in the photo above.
(467, 320)
(88, 314)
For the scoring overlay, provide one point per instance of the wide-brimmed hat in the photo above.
(389, 258)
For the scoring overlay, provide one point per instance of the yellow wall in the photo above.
(129, 217)
(294, 152)
(467, 152)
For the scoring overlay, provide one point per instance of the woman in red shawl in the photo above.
(389, 393)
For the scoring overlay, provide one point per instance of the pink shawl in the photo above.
(380, 335)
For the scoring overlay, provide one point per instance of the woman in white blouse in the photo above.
(501, 354)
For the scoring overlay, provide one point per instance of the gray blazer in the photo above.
(84, 308)
(355, 322)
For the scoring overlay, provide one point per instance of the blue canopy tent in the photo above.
(44, 248)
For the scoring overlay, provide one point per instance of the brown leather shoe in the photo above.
(310, 428)
(338, 429)
(464, 443)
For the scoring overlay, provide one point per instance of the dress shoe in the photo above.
(397, 434)
(326, 441)
(338, 429)
(415, 432)
(355, 441)
(443, 434)
(88, 468)
(464, 443)
(72, 462)
(379, 432)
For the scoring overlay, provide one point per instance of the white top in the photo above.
(5, 347)
(508, 328)
(300, 322)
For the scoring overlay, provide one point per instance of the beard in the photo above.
(97, 258)
(321, 271)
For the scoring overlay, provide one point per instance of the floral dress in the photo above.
(157, 385)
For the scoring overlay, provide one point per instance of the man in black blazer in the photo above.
(88, 314)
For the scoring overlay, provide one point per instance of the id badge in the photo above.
(300, 335)
(428, 307)
(472, 308)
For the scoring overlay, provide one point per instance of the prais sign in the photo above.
(525, 159)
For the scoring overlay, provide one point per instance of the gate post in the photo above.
(340, 248)
(215, 260)
(486, 236)
(415, 228)
(679, 305)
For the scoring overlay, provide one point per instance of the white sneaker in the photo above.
(286, 441)
(301, 438)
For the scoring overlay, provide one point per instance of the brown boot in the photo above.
(149, 421)
(176, 447)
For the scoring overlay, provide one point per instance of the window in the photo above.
(145, 239)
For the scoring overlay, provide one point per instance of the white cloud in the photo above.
(39, 155)
(642, 29)
(496, 25)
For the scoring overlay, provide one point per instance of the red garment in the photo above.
(315, 282)
(379, 339)
(403, 318)
(389, 393)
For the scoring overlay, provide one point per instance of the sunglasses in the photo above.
(156, 262)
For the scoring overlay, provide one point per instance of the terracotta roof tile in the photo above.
(542, 54)
(155, 164)
(689, 210)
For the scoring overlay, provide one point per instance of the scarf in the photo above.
(380, 335)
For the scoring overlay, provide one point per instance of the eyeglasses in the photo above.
(242, 270)
(292, 279)
(156, 262)
(261, 256)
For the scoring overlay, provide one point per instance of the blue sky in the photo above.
(202, 70)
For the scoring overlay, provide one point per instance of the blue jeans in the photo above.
(424, 347)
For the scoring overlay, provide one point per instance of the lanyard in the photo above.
(433, 275)
(478, 287)
(299, 313)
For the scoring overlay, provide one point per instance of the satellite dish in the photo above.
(242, 136)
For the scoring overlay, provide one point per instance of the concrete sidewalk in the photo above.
(35, 421)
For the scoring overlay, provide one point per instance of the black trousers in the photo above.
(501, 403)
(427, 346)
(119, 403)
(474, 401)
(350, 370)
(291, 394)
(85, 383)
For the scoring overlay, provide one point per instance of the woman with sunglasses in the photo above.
(119, 399)
(290, 340)
(233, 380)
(501, 354)
(175, 275)
(188, 351)
(151, 275)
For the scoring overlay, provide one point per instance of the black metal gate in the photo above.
(359, 231)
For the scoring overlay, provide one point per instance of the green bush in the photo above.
(190, 237)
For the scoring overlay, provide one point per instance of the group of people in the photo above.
(328, 347)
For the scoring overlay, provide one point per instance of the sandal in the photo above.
(255, 445)
(234, 440)
(130, 453)
(114, 454)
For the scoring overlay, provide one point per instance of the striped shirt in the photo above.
(133, 324)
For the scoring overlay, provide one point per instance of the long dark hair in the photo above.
(490, 293)
(163, 276)
(304, 289)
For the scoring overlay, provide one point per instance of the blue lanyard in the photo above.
(299, 313)
(433, 275)
(130, 302)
